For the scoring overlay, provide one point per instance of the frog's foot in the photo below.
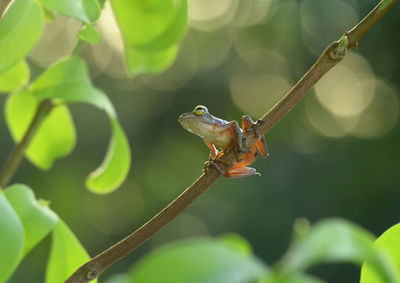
(241, 172)
(249, 125)
(210, 163)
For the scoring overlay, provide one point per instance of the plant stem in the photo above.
(78, 47)
(44, 108)
(16, 156)
(332, 55)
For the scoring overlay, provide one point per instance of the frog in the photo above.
(219, 134)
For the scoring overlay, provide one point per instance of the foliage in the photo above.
(331, 240)
(152, 32)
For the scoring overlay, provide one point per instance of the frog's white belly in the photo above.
(221, 138)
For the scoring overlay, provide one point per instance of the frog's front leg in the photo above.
(213, 150)
(237, 139)
(213, 156)
(247, 124)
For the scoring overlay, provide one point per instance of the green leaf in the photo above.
(87, 11)
(118, 278)
(11, 238)
(37, 219)
(159, 23)
(152, 46)
(390, 243)
(295, 278)
(92, 9)
(90, 34)
(198, 260)
(56, 136)
(69, 80)
(20, 29)
(15, 77)
(115, 166)
(143, 63)
(66, 254)
(336, 240)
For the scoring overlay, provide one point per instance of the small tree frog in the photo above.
(218, 133)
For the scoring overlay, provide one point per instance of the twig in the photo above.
(17, 154)
(329, 58)
(3, 5)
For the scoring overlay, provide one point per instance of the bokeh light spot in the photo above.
(207, 15)
(321, 120)
(323, 21)
(381, 115)
(57, 41)
(251, 12)
(259, 80)
(256, 94)
(348, 89)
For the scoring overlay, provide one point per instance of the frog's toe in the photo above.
(210, 163)
(241, 172)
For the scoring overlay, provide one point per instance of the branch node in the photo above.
(339, 48)
(91, 274)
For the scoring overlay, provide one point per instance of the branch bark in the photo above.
(332, 55)
(17, 154)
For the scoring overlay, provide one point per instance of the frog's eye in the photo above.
(200, 110)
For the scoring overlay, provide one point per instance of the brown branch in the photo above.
(17, 154)
(329, 58)
(3, 5)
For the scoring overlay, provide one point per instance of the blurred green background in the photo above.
(336, 154)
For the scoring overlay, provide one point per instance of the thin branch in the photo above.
(3, 5)
(329, 58)
(16, 156)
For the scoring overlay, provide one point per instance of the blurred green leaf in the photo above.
(11, 238)
(198, 260)
(37, 219)
(144, 63)
(90, 34)
(335, 240)
(20, 29)
(115, 166)
(87, 11)
(159, 23)
(152, 46)
(69, 80)
(118, 278)
(66, 254)
(295, 278)
(55, 137)
(15, 77)
(237, 243)
(389, 242)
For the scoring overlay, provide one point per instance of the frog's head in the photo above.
(197, 121)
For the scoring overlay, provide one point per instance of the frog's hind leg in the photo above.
(241, 172)
(239, 169)
(260, 144)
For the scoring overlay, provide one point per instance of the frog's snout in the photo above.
(183, 117)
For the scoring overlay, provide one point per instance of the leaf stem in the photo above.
(16, 156)
(93, 268)
(78, 47)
